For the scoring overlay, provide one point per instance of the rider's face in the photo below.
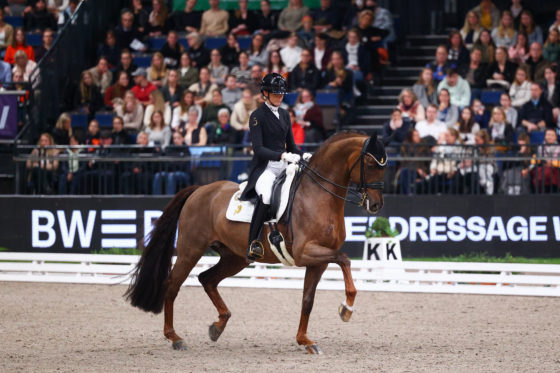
(275, 99)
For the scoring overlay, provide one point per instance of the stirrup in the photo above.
(255, 250)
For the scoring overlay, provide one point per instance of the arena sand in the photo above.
(90, 328)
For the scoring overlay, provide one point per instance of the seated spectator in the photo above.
(310, 116)
(551, 89)
(396, 128)
(19, 44)
(187, 20)
(141, 16)
(267, 18)
(157, 103)
(440, 65)
(458, 88)
(242, 21)
(62, 130)
(536, 114)
(258, 55)
(218, 71)
(108, 49)
(412, 173)
(24, 66)
(89, 99)
(556, 23)
(230, 51)
(176, 174)
(290, 18)
(325, 17)
(410, 107)
(488, 14)
(242, 111)
(6, 32)
(484, 169)
(39, 18)
(338, 77)
(188, 75)
(131, 112)
(551, 51)
(505, 35)
(194, 133)
(305, 75)
(102, 76)
(516, 178)
(276, 65)
(157, 19)
(126, 33)
(321, 53)
(447, 112)
(520, 91)
(457, 53)
(115, 93)
(372, 37)
(444, 175)
(172, 51)
(291, 53)
(307, 32)
(511, 113)
(72, 171)
(199, 55)
(547, 175)
(357, 57)
(297, 128)
(127, 65)
(159, 133)
(471, 29)
(466, 126)
(431, 126)
(486, 46)
(203, 88)
(41, 174)
(119, 136)
(181, 111)
(157, 72)
(224, 132)
(500, 130)
(6, 72)
(172, 91)
(92, 134)
(242, 71)
(424, 88)
(519, 52)
(501, 72)
(475, 73)
(516, 9)
(210, 112)
(255, 84)
(214, 21)
(47, 39)
(528, 27)
(137, 175)
(536, 62)
(143, 87)
(481, 115)
(68, 12)
(231, 93)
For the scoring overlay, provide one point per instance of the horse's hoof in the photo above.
(214, 332)
(345, 312)
(179, 345)
(314, 349)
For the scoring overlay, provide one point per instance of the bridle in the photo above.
(361, 188)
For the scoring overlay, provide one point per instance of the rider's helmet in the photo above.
(274, 83)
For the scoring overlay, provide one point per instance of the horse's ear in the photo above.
(373, 138)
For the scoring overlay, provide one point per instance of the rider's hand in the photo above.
(290, 157)
(306, 156)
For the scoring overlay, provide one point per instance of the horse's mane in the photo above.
(342, 135)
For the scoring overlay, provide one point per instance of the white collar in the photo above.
(272, 108)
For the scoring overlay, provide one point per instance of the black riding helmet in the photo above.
(274, 83)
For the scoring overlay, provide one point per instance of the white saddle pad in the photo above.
(242, 211)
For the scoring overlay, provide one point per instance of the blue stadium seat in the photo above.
(327, 98)
(105, 119)
(290, 98)
(537, 137)
(156, 43)
(245, 42)
(184, 42)
(34, 39)
(15, 21)
(79, 120)
(143, 61)
(132, 138)
(490, 97)
(214, 43)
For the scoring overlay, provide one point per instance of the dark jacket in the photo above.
(308, 79)
(440, 72)
(536, 69)
(534, 114)
(267, 23)
(555, 100)
(200, 56)
(270, 138)
(347, 83)
(251, 22)
(399, 135)
(125, 37)
(480, 75)
(128, 71)
(171, 56)
(113, 54)
(180, 20)
(230, 56)
(462, 58)
(363, 59)
(326, 57)
(509, 71)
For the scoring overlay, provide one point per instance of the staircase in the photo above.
(414, 53)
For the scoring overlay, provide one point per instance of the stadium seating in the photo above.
(15, 21)
(105, 119)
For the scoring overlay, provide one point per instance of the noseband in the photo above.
(362, 187)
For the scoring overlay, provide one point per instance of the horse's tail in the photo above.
(148, 284)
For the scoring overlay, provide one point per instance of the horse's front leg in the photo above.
(345, 309)
(312, 276)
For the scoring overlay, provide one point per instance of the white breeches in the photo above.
(265, 181)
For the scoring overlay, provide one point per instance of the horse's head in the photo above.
(367, 173)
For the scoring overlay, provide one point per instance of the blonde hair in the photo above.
(496, 109)
(63, 118)
(485, 136)
(158, 73)
(503, 31)
(159, 102)
(48, 136)
(522, 68)
(547, 42)
(467, 26)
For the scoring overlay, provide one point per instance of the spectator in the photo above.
(484, 168)
(516, 178)
(511, 113)
(516, 8)
(290, 18)
(25, 66)
(556, 24)
(102, 76)
(297, 128)
(126, 33)
(440, 65)
(42, 173)
(187, 20)
(224, 133)
(258, 55)
(397, 128)
(529, 28)
(291, 53)
(47, 40)
(131, 112)
(197, 52)
(520, 91)
(126, 65)
(6, 32)
(137, 175)
(242, 71)
(338, 77)
(307, 33)
(383, 20)
(276, 65)
(230, 51)
(231, 93)
(68, 12)
(321, 53)
(181, 112)
(194, 133)
(119, 136)
(536, 114)
(157, 103)
(457, 53)
(444, 175)
(475, 73)
(188, 75)
(325, 17)
(501, 131)
(242, 111)
(447, 112)
(62, 130)
(457, 87)
(471, 29)
(92, 134)
(481, 115)
(141, 16)
(536, 62)
(486, 46)
(89, 99)
(255, 84)
(357, 57)
(305, 75)
(504, 35)
(267, 18)
(547, 175)
(115, 93)
(371, 37)
(19, 43)
(172, 50)
(412, 173)
(309, 114)
(519, 52)
(501, 72)
(410, 107)
(431, 126)
(177, 173)
(466, 126)
(73, 170)
(143, 87)
(242, 21)
(210, 112)
(214, 21)
(39, 18)
(218, 71)
(108, 49)
(157, 72)
(203, 88)
(5, 72)
(551, 51)
(158, 132)
(551, 89)
(424, 88)
(157, 19)
(172, 91)
(488, 14)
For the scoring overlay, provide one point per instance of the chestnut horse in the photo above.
(317, 229)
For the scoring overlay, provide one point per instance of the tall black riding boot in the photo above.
(256, 249)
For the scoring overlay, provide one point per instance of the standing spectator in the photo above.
(501, 72)
(551, 51)
(211, 112)
(551, 89)
(131, 112)
(444, 175)
(172, 91)
(305, 75)
(125, 32)
(504, 35)
(214, 20)
(242, 21)
(194, 133)
(536, 62)
(218, 71)
(447, 112)
(424, 88)
(276, 65)
(141, 16)
(471, 29)
(157, 103)
(242, 111)
(484, 169)
(172, 50)
(188, 75)
(203, 88)
(142, 87)
(431, 126)
(5, 72)
(89, 99)
(242, 71)
(475, 73)
(309, 114)
(230, 51)
(290, 18)
(488, 14)
(126, 65)
(481, 115)
(519, 52)
(116, 92)
(181, 112)
(42, 173)
(457, 53)
(321, 53)
(291, 53)
(487, 46)
(516, 8)
(536, 114)
(500, 130)
(158, 132)
(68, 13)
(371, 37)
(187, 20)
(297, 128)
(511, 113)
(6, 32)
(62, 130)
(108, 49)
(258, 55)
(396, 128)
(410, 107)
(466, 126)
(19, 44)
(157, 19)
(412, 173)
(47, 40)
(529, 28)
(267, 18)
(198, 53)
(457, 87)
(440, 65)
(24, 66)
(39, 18)
(231, 93)
(102, 76)
(157, 72)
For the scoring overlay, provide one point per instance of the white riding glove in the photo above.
(290, 157)
(306, 156)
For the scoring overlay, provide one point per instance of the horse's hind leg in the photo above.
(228, 265)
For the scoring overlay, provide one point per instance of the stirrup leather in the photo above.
(255, 250)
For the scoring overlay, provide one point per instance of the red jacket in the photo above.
(11, 53)
(143, 93)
